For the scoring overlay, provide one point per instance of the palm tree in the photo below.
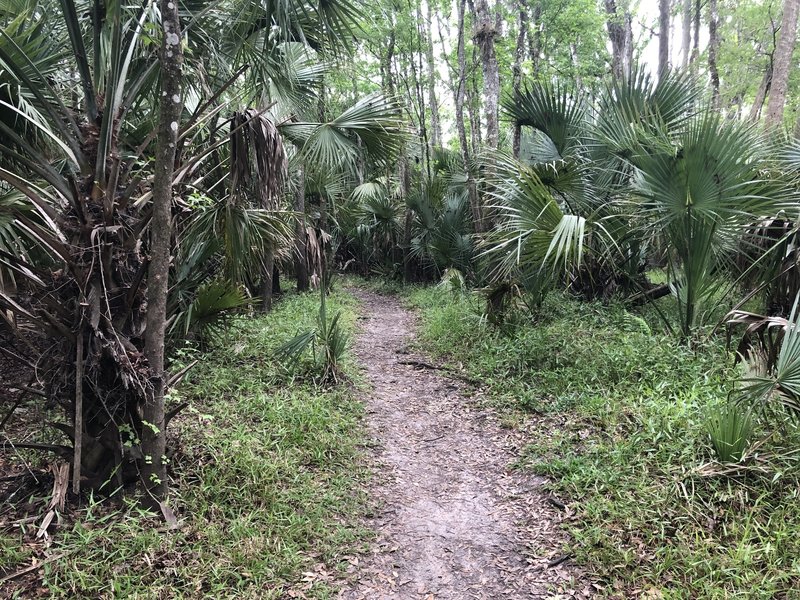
(649, 165)
(76, 197)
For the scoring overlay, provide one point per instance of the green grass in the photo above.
(267, 477)
(617, 420)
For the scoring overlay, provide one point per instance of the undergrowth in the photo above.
(266, 473)
(617, 415)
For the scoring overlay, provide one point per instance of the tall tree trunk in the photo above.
(154, 466)
(386, 65)
(417, 71)
(436, 128)
(535, 40)
(405, 190)
(686, 31)
(474, 201)
(300, 241)
(522, 29)
(713, 48)
(663, 38)
(486, 29)
(783, 63)
(696, 44)
(268, 269)
(761, 93)
(473, 104)
(620, 32)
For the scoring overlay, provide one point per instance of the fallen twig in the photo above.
(33, 568)
(450, 372)
(558, 561)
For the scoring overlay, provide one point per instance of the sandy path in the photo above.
(454, 523)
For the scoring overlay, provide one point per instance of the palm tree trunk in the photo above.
(783, 63)
(154, 467)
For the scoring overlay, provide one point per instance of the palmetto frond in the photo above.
(243, 236)
(533, 232)
(374, 122)
(701, 192)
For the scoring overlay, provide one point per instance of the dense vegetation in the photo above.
(267, 468)
(599, 217)
(619, 416)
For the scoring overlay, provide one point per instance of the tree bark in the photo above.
(663, 38)
(405, 190)
(620, 32)
(486, 29)
(696, 44)
(522, 23)
(473, 108)
(154, 467)
(535, 40)
(761, 93)
(266, 281)
(300, 242)
(474, 202)
(436, 128)
(713, 48)
(783, 63)
(686, 31)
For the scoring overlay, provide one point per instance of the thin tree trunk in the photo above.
(686, 38)
(474, 201)
(473, 105)
(663, 38)
(535, 40)
(696, 44)
(573, 55)
(386, 65)
(417, 71)
(713, 48)
(405, 190)
(783, 63)
(266, 281)
(522, 24)
(154, 467)
(300, 241)
(761, 93)
(486, 29)
(436, 129)
(620, 32)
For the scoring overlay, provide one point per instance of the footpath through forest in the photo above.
(453, 521)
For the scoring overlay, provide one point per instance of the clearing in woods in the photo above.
(455, 523)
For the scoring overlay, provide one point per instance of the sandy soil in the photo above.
(455, 523)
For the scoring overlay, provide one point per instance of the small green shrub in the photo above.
(730, 428)
(328, 343)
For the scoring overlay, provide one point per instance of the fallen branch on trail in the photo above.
(450, 372)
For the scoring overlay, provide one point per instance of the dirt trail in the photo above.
(454, 523)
